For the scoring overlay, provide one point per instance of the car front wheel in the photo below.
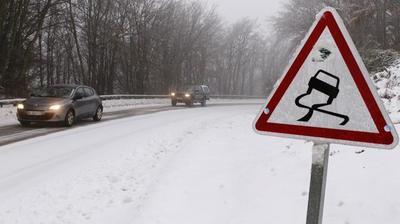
(189, 103)
(99, 114)
(69, 118)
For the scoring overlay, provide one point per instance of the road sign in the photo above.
(326, 94)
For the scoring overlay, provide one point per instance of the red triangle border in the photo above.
(381, 138)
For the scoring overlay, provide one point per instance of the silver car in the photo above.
(60, 103)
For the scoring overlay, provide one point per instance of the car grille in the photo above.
(36, 107)
(44, 117)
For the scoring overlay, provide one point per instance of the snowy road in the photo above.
(14, 132)
(201, 165)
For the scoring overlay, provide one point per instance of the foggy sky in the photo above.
(232, 10)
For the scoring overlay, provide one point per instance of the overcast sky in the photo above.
(232, 10)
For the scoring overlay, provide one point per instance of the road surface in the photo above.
(197, 165)
(14, 133)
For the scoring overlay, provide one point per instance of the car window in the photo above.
(205, 89)
(197, 88)
(53, 91)
(80, 92)
(187, 89)
(89, 92)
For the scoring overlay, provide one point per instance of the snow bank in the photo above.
(388, 86)
(126, 104)
(7, 115)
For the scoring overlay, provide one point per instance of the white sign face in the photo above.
(348, 101)
(326, 94)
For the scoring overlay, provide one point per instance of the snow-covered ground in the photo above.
(7, 115)
(200, 165)
(7, 112)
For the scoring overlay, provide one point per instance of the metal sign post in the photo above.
(319, 169)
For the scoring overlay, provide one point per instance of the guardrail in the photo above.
(118, 97)
(10, 101)
(126, 96)
(234, 97)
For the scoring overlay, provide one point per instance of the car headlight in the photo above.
(20, 106)
(172, 94)
(55, 107)
(187, 95)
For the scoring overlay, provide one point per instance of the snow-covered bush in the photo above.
(388, 85)
(378, 60)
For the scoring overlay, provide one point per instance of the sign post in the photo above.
(326, 96)
(319, 170)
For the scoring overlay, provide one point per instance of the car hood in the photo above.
(43, 103)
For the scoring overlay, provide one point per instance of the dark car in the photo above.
(60, 103)
(191, 95)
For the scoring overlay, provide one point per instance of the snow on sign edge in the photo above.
(365, 74)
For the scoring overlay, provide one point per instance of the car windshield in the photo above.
(54, 91)
(186, 89)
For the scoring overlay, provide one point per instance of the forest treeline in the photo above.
(126, 46)
(153, 46)
(374, 26)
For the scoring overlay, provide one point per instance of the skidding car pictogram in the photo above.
(323, 87)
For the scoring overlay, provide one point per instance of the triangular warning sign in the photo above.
(326, 94)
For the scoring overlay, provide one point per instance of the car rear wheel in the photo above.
(99, 114)
(69, 118)
(203, 102)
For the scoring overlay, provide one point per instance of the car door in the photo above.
(198, 95)
(206, 92)
(91, 100)
(80, 102)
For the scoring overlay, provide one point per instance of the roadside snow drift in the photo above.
(197, 166)
(388, 85)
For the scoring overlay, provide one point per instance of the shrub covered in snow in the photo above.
(388, 85)
(378, 60)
